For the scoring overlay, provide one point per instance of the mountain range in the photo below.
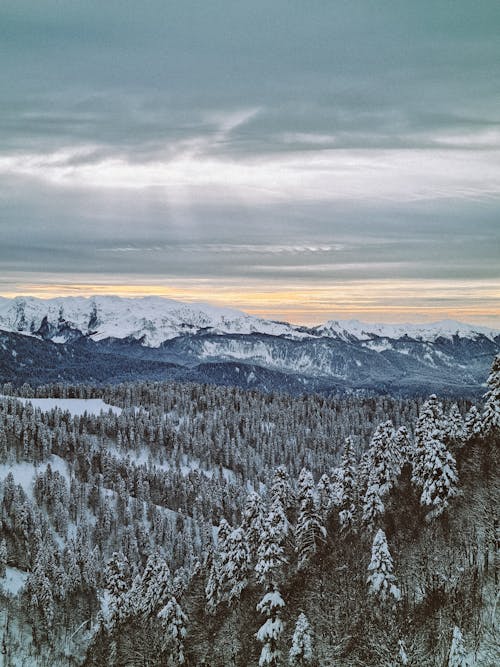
(111, 339)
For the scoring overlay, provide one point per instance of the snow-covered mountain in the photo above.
(112, 339)
(154, 320)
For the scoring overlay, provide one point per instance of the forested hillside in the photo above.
(203, 525)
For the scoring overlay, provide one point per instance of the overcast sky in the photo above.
(301, 160)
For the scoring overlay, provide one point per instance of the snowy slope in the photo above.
(347, 329)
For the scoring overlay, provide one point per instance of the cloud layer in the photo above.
(283, 151)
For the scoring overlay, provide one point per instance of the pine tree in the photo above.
(458, 655)
(269, 633)
(301, 651)
(347, 480)
(234, 565)
(173, 623)
(384, 459)
(271, 555)
(117, 582)
(156, 584)
(252, 523)
(454, 428)
(440, 478)
(473, 423)
(281, 490)
(381, 580)
(3, 557)
(373, 505)
(310, 530)
(491, 412)
(434, 468)
(325, 496)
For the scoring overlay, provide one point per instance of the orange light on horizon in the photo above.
(380, 300)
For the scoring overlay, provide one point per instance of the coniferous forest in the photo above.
(198, 525)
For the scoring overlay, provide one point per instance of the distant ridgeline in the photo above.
(106, 340)
(188, 524)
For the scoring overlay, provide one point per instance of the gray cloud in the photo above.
(336, 141)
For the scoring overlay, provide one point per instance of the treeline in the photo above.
(161, 535)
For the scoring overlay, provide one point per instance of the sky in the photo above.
(298, 160)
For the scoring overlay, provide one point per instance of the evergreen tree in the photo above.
(234, 565)
(491, 412)
(3, 557)
(270, 632)
(156, 584)
(173, 625)
(252, 523)
(347, 481)
(434, 468)
(458, 655)
(310, 531)
(117, 582)
(384, 459)
(373, 505)
(271, 551)
(439, 483)
(301, 651)
(473, 423)
(381, 580)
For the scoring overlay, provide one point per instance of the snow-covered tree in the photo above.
(454, 427)
(270, 632)
(301, 651)
(281, 489)
(434, 467)
(214, 590)
(403, 445)
(458, 654)
(491, 412)
(3, 557)
(234, 565)
(383, 458)
(117, 583)
(347, 481)
(325, 496)
(310, 530)
(473, 423)
(402, 654)
(271, 555)
(173, 623)
(156, 584)
(439, 478)
(373, 504)
(381, 580)
(252, 523)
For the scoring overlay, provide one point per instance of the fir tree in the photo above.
(491, 412)
(173, 625)
(301, 651)
(434, 468)
(310, 531)
(271, 551)
(473, 423)
(347, 481)
(373, 505)
(381, 580)
(458, 655)
(270, 632)
(3, 557)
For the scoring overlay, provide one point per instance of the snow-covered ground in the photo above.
(75, 406)
(24, 472)
(13, 581)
